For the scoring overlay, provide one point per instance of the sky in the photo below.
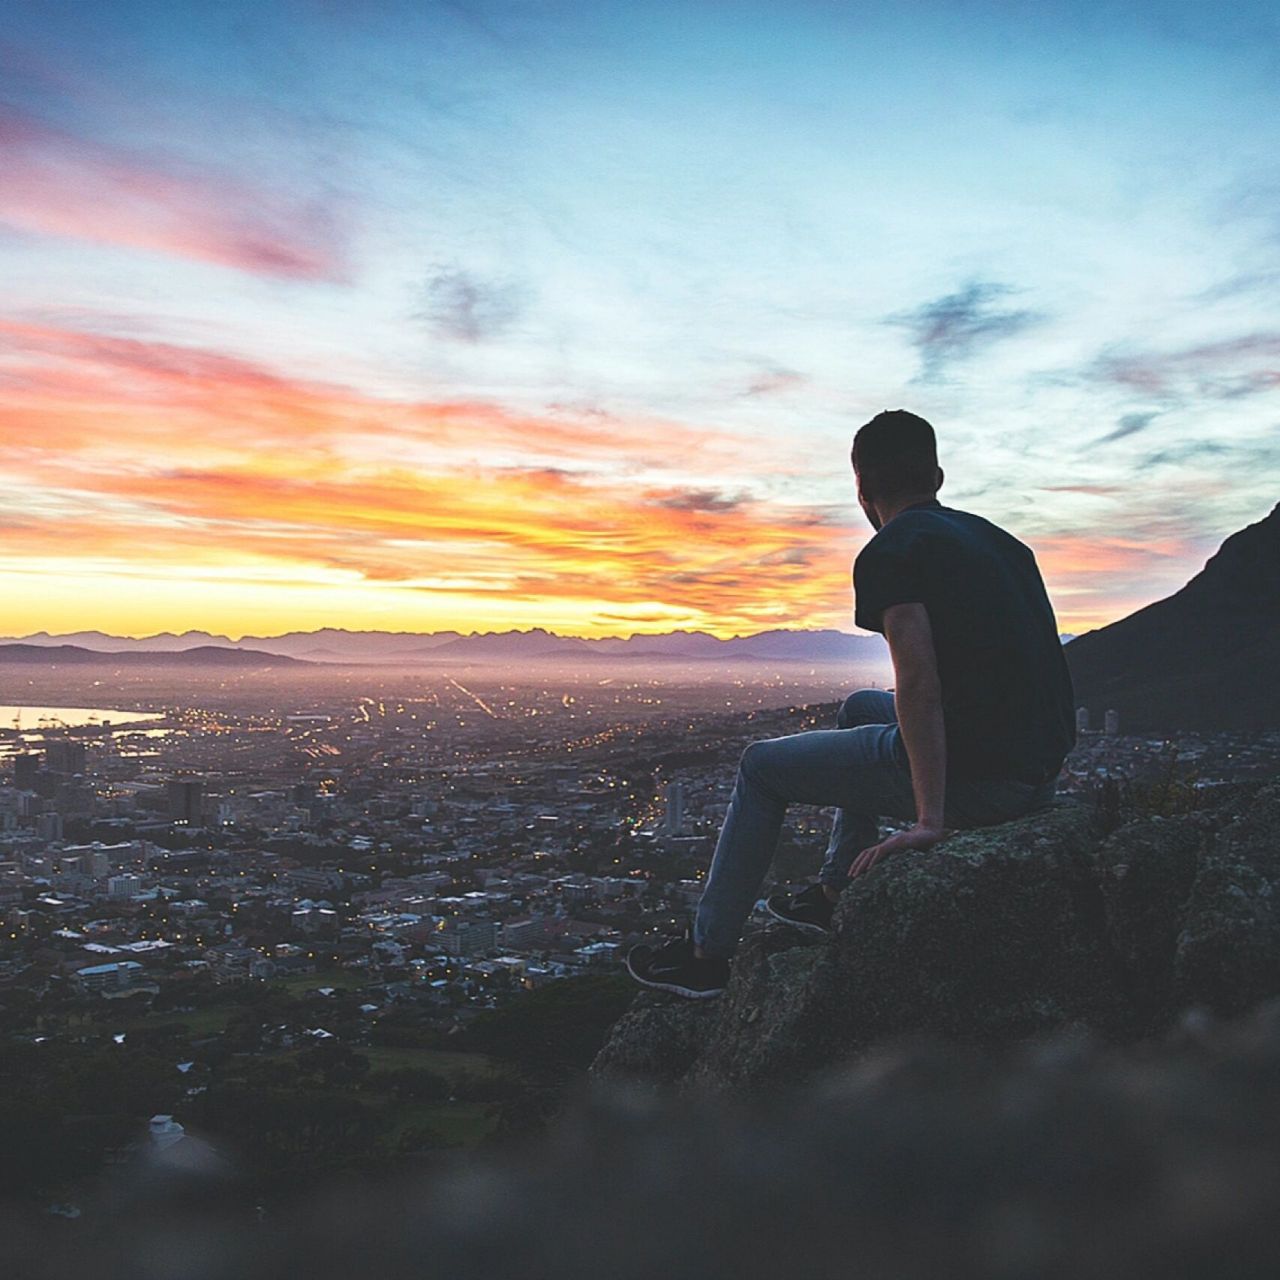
(477, 316)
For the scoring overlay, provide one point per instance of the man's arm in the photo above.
(918, 697)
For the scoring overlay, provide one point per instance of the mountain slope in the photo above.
(1206, 658)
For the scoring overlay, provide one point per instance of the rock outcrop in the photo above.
(997, 935)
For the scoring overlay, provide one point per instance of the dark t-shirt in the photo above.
(1007, 700)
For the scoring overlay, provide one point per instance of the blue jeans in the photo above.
(861, 768)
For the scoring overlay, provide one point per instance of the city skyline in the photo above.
(480, 317)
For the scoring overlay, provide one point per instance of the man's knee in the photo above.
(753, 758)
(864, 707)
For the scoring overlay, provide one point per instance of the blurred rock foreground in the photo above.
(1046, 1049)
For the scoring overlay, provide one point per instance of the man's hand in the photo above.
(919, 836)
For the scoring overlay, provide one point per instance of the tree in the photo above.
(337, 1064)
(556, 1030)
(411, 1084)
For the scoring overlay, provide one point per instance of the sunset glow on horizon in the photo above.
(434, 317)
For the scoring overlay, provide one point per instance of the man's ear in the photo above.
(941, 477)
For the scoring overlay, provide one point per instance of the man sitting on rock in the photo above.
(976, 733)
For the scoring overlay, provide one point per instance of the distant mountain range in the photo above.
(1206, 658)
(441, 647)
(200, 655)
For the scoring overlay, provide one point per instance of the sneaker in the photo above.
(674, 967)
(810, 909)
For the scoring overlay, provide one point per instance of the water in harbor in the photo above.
(25, 719)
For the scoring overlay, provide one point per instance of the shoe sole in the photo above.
(675, 988)
(805, 926)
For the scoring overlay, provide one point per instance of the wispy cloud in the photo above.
(773, 380)
(60, 382)
(465, 307)
(1129, 424)
(57, 183)
(1093, 490)
(698, 500)
(1188, 449)
(959, 325)
(1224, 370)
(1262, 280)
(1094, 577)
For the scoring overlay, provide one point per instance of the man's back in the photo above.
(1007, 700)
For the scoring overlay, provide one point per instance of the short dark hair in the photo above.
(896, 453)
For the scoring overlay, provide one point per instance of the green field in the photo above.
(298, 984)
(459, 1124)
(443, 1061)
(199, 1023)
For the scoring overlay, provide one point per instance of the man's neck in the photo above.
(887, 510)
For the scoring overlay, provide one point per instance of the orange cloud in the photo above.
(1094, 580)
(131, 463)
(149, 459)
(63, 384)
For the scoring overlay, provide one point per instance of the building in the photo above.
(74, 798)
(70, 867)
(526, 934)
(119, 975)
(1111, 724)
(576, 892)
(599, 955)
(65, 755)
(165, 1132)
(314, 919)
(319, 880)
(458, 937)
(673, 824)
(124, 886)
(97, 859)
(186, 801)
(49, 826)
(1082, 719)
(25, 769)
(233, 961)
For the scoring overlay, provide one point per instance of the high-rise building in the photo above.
(74, 799)
(186, 801)
(65, 755)
(49, 826)
(1111, 723)
(25, 769)
(1082, 719)
(673, 824)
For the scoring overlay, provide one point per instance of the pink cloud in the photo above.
(1225, 369)
(62, 384)
(58, 184)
